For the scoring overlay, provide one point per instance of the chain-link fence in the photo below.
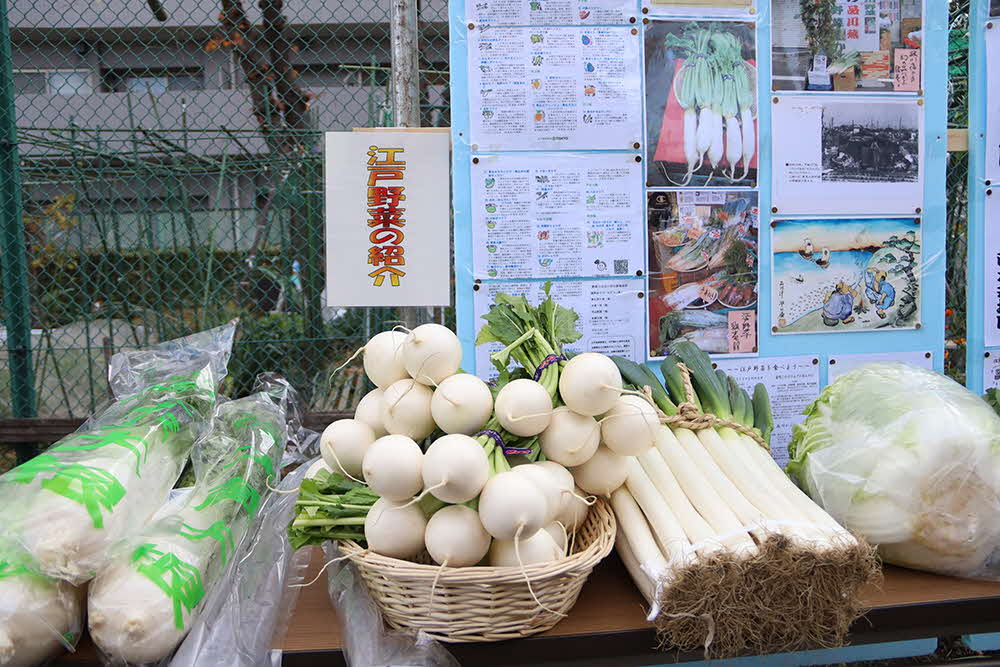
(957, 192)
(170, 180)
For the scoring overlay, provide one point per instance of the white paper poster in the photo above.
(549, 12)
(792, 383)
(698, 8)
(611, 315)
(557, 215)
(991, 370)
(387, 218)
(993, 103)
(554, 88)
(991, 264)
(845, 363)
(847, 157)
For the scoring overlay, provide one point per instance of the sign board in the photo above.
(387, 218)
(820, 237)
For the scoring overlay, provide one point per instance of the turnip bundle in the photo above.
(39, 616)
(141, 605)
(72, 503)
(711, 524)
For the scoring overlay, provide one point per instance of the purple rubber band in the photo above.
(546, 362)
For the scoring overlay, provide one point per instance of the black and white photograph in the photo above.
(871, 142)
(833, 155)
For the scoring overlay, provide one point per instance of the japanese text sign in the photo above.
(387, 218)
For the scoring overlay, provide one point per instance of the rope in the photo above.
(690, 417)
(546, 362)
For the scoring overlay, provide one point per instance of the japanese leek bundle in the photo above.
(39, 616)
(71, 504)
(911, 460)
(709, 525)
(144, 602)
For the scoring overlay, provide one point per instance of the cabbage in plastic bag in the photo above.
(911, 460)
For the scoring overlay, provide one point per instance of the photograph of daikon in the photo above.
(701, 103)
(702, 266)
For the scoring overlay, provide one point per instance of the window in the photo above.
(52, 82)
(343, 74)
(155, 81)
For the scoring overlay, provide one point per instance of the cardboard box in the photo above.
(845, 81)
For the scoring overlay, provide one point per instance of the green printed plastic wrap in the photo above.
(68, 506)
(141, 606)
(39, 616)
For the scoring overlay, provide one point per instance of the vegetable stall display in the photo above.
(709, 524)
(707, 521)
(911, 460)
(530, 435)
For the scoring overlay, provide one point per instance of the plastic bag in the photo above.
(366, 641)
(253, 601)
(143, 602)
(39, 616)
(72, 503)
(911, 460)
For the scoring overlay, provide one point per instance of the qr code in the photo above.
(621, 267)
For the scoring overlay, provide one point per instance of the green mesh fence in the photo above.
(170, 180)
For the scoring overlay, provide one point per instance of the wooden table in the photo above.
(608, 623)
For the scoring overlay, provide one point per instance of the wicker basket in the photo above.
(483, 604)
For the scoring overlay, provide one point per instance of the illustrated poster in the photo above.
(849, 157)
(845, 275)
(792, 384)
(991, 371)
(611, 315)
(554, 88)
(674, 111)
(549, 12)
(557, 214)
(702, 267)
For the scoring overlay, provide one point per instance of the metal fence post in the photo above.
(12, 240)
(405, 88)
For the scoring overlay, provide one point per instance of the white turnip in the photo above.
(392, 467)
(406, 409)
(590, 384)
(603, 473)
(383, 358)
(431, 353)
(511, 505)
(455, 468)
(539, 548)
(630, 427)
(523, 407)
(570, 438)
(455, 537)
(343, 445)
(369, 411)
(395, 529)
(461, 403)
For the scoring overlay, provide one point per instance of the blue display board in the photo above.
(922, 338)
(978, 354)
